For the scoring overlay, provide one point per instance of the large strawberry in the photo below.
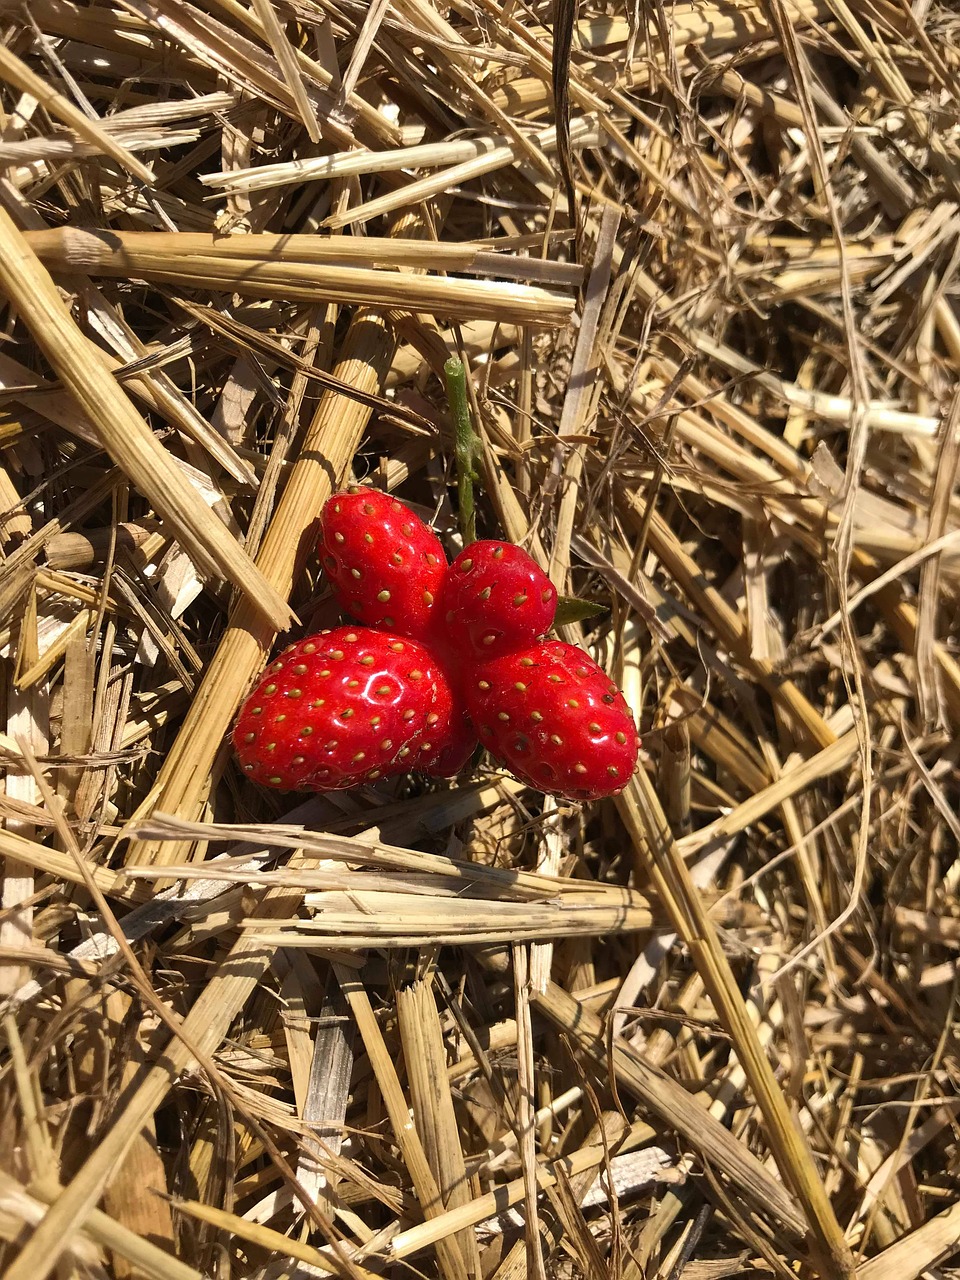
(343, 708)
(496, 599)
(385, 565)
(556, 720)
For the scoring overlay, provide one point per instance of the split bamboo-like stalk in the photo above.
(85, 249)
(452, 1263)
(434, 1114)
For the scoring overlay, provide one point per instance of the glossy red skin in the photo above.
(385, 566)
(453, 739)
(556, 720)
(343, 708)
(495, 600)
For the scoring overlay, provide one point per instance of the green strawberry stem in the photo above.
(468, 447)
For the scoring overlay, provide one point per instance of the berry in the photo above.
(386, 567)
(556, 720)
(496, 599)
(454, 739)
(343, 708)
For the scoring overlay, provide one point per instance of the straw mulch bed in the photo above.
(701, 264)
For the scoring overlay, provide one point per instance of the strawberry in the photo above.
(556, 719)
(496, 599)
(454, 738)
(385, 565)
(343, 708)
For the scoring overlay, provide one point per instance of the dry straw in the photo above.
(705, 1029)
(284, 267)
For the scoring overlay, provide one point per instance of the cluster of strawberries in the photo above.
(445, 654)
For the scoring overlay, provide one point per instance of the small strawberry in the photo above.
(496, 599)
(343, 708)
(556, 719)
(385, 565)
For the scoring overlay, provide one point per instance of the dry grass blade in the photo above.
(16, 72)
(913, 1254)
(673, 1105)
(147, 1258)
(287, 59)
(205, 1026)
(264, 1238)
(348, 163)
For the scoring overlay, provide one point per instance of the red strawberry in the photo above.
(556, 719)
(453, 738)
(385, 565)
(496, 599)
(343, 708)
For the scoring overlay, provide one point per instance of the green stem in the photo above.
(467, 445)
